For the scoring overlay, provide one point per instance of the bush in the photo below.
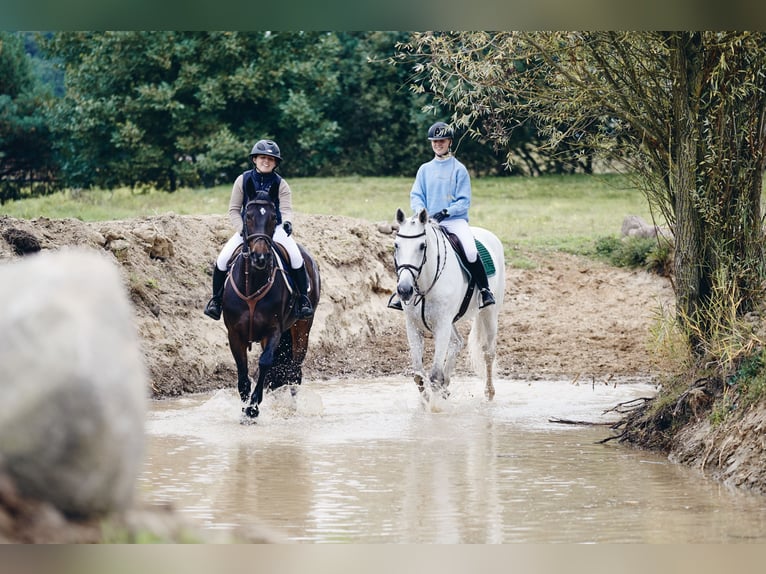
(636, 252)
(750, 380)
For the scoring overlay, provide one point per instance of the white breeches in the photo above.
(461, 228)
(296, 261)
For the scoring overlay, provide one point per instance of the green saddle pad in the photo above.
(486, 258)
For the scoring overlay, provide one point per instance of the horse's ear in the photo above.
(399, 216)
(274, 191)
(423, 216)
(249, 187)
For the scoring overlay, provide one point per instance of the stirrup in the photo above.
(486, 298)
(213, 309)
(395, 304)
(305, 309)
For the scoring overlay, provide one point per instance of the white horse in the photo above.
(432, 285)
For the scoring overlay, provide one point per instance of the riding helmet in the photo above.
(440, 131)
(266, 147)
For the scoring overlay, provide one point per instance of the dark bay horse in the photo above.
(259, 305)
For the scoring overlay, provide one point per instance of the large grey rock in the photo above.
(634, 226)
(73, 392)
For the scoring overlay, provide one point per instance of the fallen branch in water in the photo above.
(632, 408)
(571, 422)
(628, 406)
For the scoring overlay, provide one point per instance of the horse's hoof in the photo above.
(440, 389)
(251, 411)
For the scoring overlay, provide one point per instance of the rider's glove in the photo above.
(438, 217)
(288, 227)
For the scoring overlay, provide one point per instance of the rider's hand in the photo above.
(438, 217)
(288, 227)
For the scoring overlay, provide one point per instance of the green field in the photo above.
(554, 212)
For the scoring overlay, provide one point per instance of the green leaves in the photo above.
(25, 140)
(166, 109)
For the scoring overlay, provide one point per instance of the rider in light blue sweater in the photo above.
(443, 187)
(442, 183)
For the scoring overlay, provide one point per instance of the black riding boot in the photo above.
(213, 307)
(480, 276)
(394, 302)
(305, 309)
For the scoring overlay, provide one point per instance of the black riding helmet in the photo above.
(266, 147)
(440, 131)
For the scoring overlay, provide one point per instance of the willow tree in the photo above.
(684, 111)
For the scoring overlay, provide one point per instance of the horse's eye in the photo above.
(422, 246)
(396, 246)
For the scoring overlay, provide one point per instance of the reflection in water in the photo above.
(364, 462)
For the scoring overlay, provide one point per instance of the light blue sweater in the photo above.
(442, 184)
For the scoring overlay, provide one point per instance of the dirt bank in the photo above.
(564, 316)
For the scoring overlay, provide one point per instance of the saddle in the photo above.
(283, 264)
(486, 258)
(486, 261)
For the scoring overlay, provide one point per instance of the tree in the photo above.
(684, 111)
(26, 162)
(381, 123)
(165, 109)
(152, 109)
(128, 116)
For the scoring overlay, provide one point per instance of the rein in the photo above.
(245, 254)
(252, 299)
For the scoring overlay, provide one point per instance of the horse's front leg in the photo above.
(415, 340)
(442, 336)
(264, 365)
(239, 352)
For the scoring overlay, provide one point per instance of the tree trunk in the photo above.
(719, 258)
(691, 286)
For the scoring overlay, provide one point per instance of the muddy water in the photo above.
(364, 462)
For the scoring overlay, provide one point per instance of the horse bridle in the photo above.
(417, 270)
(252, 299)
(245, 254)
(247, 237)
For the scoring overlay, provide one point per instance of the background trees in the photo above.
(26, 160)
(169, 109)
(163, 109)
(683, 111)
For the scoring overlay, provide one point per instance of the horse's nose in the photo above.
(404, 291)
(259, 261)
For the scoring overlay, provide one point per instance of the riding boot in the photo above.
(480, 276)
(305, 309)
(213, 307)
(394, 302)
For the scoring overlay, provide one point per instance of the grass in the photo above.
(567, 213)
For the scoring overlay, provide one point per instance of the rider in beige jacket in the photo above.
(265, 157)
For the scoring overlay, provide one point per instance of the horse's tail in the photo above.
(482, 340)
